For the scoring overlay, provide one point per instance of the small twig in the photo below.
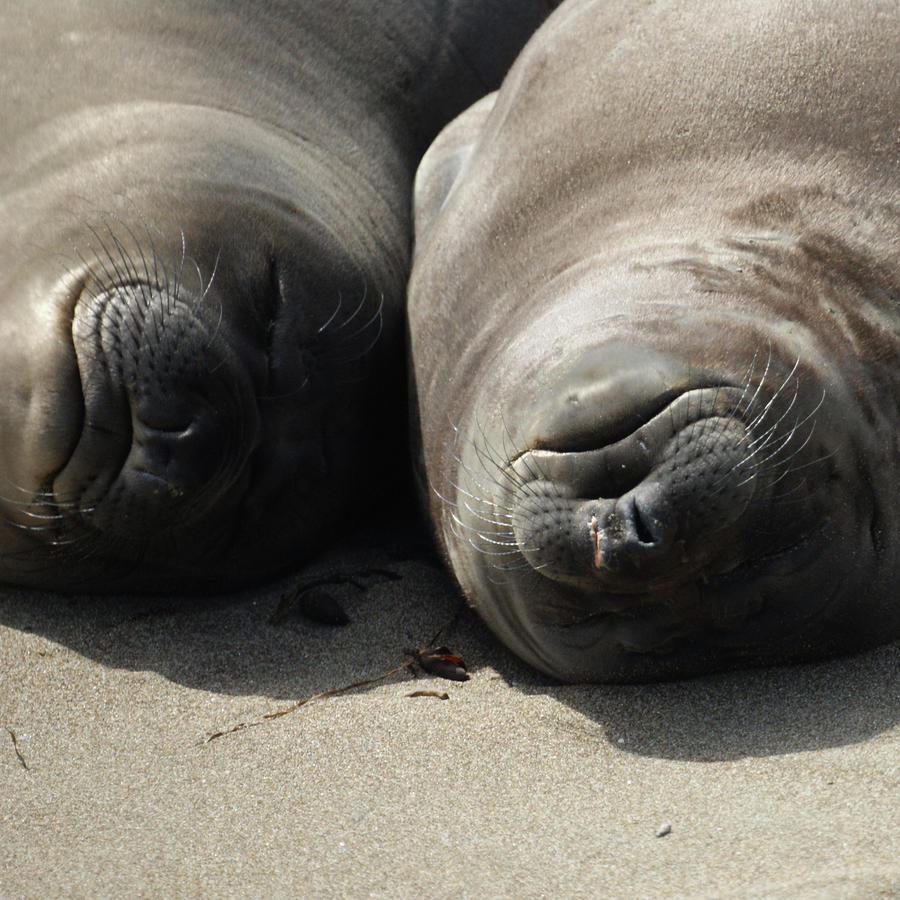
(406, 664)
(15, 743)
(439, 661)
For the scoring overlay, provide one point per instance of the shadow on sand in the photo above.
(401, 601)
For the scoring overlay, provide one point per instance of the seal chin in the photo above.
(170, 418)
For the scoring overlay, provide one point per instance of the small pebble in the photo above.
(663, 830)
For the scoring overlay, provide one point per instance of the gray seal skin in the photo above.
(204, 243)
(654, 320)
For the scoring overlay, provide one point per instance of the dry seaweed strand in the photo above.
(422, 657)
(15, 744)
(436, 661)
(275, 714)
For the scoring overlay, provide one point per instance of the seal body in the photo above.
(654, 319)
(204, 244)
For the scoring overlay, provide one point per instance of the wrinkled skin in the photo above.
(204, 243)
(655, 330)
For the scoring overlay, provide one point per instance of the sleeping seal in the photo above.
(654, 318)
(204, 244)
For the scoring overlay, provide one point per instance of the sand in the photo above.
(773, 783)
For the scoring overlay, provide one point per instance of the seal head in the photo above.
(655, 326)
(204, 245)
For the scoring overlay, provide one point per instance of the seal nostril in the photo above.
(185, 456)
(642, 528)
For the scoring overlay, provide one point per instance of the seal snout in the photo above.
(170, 416)
(646, 511)
(182, 457)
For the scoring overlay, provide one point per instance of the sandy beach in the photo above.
(772, 783)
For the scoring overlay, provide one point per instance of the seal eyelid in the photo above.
(327, 324)
(762, 377)
(790, 470)
(204, 291)
(342, 348)
(332, 317)
(376, 316)
(813, 462)
(335, 359)
(359, 306)
(780, 443)
(781, 462)
(765, 410)
(767, 444)
(764, 436)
